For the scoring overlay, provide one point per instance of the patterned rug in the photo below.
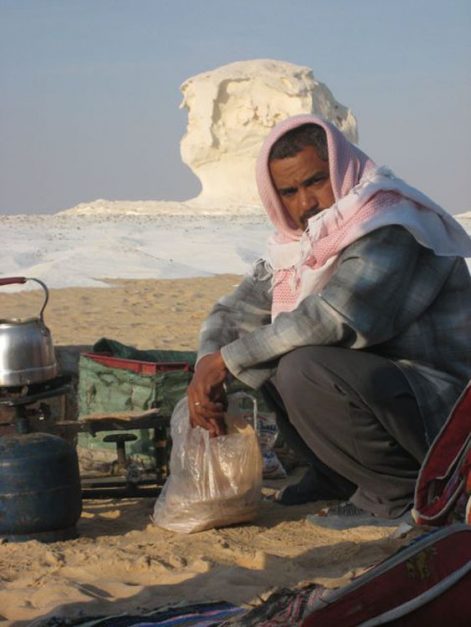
(283, 607)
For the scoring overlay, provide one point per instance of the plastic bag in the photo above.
(213, 482)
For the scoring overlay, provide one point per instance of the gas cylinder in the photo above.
(40, 492)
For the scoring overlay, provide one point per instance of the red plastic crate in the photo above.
(139, 367)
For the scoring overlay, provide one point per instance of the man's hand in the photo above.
(206, 396)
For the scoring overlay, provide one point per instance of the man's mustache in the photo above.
(309, 214)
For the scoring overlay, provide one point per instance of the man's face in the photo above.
(303, 183)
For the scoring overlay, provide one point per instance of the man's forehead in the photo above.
(297, 169)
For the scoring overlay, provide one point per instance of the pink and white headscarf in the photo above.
(366, 198)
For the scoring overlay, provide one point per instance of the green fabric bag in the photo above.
(107, 389)
(104, 388)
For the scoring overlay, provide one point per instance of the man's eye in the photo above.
(287, 193)
(315, 180)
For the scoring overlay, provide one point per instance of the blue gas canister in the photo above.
(40, 491)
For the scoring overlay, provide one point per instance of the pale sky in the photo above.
(90, 88)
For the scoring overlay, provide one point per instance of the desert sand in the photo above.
(121, 560)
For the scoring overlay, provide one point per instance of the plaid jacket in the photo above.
(388, 295)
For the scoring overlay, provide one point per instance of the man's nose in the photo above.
(307, 199)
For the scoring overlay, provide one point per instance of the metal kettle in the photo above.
(26, 349)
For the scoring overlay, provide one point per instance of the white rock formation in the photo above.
(231, 110)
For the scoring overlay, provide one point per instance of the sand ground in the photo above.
(121, 561)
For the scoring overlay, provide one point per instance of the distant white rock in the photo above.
(232, 109)
(125, 207)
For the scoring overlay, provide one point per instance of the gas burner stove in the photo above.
(27, 394)
(19, 397)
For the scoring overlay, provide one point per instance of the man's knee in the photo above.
(297, 368)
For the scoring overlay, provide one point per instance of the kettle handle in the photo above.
(12, 279)
(22, 279)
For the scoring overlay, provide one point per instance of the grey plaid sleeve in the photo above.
(247, 308)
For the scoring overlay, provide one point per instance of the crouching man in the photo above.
(356, 324)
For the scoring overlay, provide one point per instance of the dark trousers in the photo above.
(352, 416)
